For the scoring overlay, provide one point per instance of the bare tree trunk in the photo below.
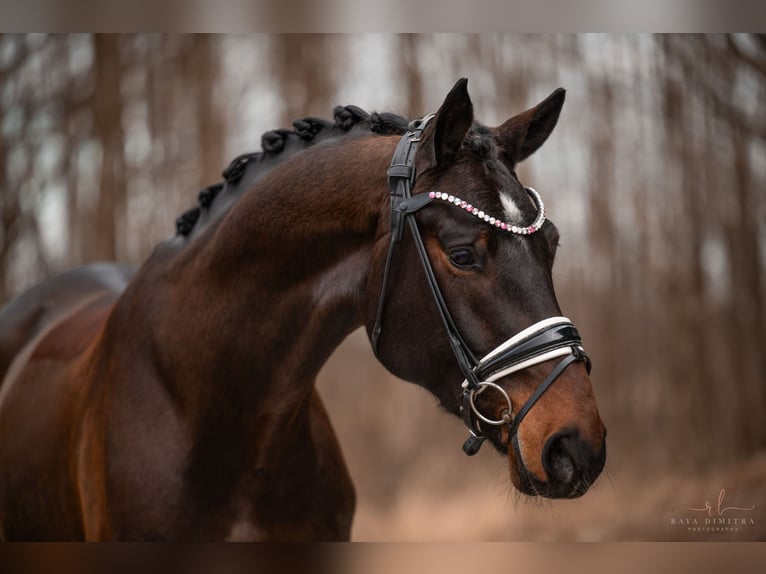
(691, 305)
(515, 88)
(409, 45)
(102, 243)
(205, 74)
(10, 207)
(9, 217)
(747, 346)
(159, 98)
(71, 179)
(303, 65)
(602, 234)
(682, 224)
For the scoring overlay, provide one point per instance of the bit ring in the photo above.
(507, 415)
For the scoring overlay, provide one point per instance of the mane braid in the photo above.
(306, 131)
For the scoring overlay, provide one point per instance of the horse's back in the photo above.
(42, 332)
(25, 317)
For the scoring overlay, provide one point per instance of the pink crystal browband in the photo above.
(499, 223)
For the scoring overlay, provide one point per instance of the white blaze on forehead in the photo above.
(512, 212)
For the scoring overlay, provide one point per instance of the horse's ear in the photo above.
(441, 143)
(521, 135)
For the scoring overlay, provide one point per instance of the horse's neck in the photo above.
(250, 311)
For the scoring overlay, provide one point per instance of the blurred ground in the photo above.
(415, 484)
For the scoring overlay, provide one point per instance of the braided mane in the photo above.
(281, 144)
(278, 145)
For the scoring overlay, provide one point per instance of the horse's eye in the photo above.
(462, 257)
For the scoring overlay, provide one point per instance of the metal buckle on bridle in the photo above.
(416, 127)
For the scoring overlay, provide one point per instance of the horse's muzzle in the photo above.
(571, 465)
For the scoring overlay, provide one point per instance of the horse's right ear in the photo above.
(443, 138)
(523, 134)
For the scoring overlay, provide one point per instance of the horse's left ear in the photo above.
(442, 140)
(521, 135)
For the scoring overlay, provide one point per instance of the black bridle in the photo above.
(550, 338)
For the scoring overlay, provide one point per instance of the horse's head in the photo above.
(490, 252)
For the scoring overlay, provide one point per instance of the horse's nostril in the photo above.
(559, 458)
(563, 468)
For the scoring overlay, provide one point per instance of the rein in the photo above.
(545, 340)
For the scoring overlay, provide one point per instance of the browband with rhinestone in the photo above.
(499, 223)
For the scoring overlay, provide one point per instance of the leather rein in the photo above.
(545, 340)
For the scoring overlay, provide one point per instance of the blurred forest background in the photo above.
(656, 177)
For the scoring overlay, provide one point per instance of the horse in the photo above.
(178, 402)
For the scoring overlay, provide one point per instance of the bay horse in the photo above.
(179, 402)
